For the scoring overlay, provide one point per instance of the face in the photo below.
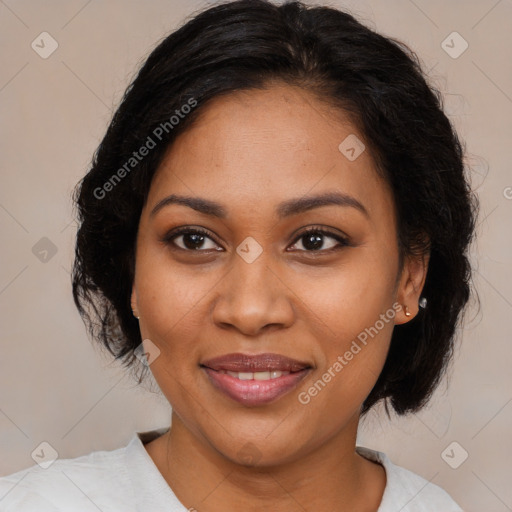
(265, 275)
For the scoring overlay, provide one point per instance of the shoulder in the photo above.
(95, 481)
(408, 491)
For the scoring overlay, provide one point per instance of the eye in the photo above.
(313, 240)
(189, 239)
(199, 240)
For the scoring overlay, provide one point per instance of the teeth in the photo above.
(274, 374)
(261, 375)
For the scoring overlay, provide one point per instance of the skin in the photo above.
(249, 151)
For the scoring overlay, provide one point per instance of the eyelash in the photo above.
(169, 237)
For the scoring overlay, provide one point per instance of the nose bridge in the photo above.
(251, 296)
(253, 277)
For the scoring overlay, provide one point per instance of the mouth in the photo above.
(255, 379)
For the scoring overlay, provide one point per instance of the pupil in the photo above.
(196, 240)
(313, 241)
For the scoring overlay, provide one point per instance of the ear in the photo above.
(411, 283)
(135, 308)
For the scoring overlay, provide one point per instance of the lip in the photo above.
(255, 392)
(238, 362)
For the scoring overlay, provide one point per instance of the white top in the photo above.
(127, 480)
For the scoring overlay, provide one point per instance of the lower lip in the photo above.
(255, 392)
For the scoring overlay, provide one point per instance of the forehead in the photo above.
(260, 147)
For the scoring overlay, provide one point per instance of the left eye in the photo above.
(314, 240)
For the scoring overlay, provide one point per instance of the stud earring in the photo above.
(135, 315)
(407, 312)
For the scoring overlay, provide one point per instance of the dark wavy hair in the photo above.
(378, 81)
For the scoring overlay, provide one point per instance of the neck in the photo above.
(332, 476)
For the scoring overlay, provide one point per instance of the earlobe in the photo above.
(411, 285)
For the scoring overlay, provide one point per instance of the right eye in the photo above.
(189, 239)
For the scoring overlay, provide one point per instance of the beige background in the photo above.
(55, 387)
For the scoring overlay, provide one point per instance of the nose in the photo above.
(252, 298)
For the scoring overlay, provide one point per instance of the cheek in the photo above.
(350, 364)
(350, 298)
(171, 297)
(172, 317)
(351, 316)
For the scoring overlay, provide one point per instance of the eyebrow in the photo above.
(284, 209)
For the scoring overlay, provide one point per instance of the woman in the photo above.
(276, 226)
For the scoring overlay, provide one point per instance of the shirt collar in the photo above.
(151, 490)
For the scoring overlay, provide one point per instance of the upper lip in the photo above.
(255, 363)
